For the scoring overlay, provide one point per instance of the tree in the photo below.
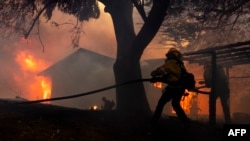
(207, 23)
(23, 15)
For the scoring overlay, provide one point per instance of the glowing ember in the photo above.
(94, 107)
(158, 85)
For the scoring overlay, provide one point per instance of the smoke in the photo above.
(54, 44)
(239, 88)
(46, 48)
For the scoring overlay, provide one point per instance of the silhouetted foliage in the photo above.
(190, 19)
(186, 19)
(21, 16)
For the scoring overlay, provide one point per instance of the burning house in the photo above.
(82, 71)
(85, 71)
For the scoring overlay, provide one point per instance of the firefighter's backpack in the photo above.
(188, 79)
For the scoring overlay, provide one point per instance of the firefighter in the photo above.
(173, 91)
(221, 88)
(107, 104)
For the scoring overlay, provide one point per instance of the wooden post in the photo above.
(212, 96)
(228, 117)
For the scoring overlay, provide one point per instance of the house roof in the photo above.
(80, 55)
(227, 56)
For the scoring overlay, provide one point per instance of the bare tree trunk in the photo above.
(131, 99)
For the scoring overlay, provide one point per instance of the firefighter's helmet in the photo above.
(175, 52)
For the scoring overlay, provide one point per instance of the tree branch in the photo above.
(140, 9)
(37, 17)
(151, 26)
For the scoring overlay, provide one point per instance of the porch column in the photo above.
(212, 96)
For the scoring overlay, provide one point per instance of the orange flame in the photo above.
(186, 101)
(46, 87)
(30, 63)
(37, 87)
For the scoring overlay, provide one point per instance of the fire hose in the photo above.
(86, 93)
(96, 91)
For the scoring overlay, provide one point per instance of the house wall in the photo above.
(71, 84)
(70, 78)
(79, 75)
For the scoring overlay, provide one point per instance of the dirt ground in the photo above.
(43, 122)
